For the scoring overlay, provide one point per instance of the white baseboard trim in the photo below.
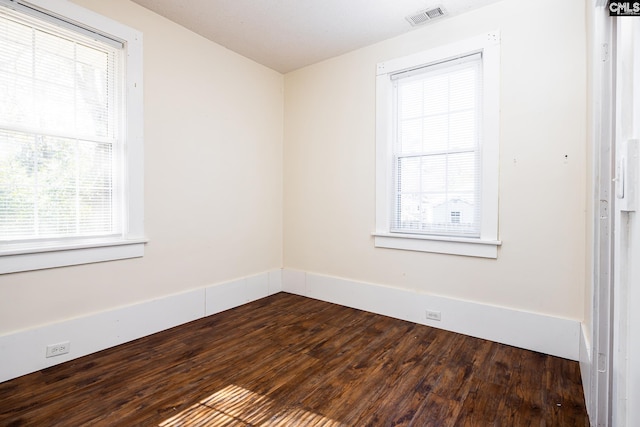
(23, 352)
(538, 332)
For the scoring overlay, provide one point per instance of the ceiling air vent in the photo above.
(423, 16)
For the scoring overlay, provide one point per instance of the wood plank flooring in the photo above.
(291, 361)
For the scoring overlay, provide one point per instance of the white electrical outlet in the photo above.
(433, 315)
(58, 349)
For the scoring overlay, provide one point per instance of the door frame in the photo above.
(603, 102)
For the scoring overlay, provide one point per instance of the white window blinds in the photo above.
(436, 149)
(60, 119)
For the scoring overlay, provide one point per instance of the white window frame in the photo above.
(486, 245)
(16, 257)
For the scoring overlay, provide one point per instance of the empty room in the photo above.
(319, 213)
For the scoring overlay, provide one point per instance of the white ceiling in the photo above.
(289, 34)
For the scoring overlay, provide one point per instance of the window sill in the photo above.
(438, 244)
(27, 256)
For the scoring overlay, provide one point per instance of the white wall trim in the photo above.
(533, 331)
(23, 352)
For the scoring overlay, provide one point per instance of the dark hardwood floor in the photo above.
(291, 361)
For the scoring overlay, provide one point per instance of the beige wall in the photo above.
(329, 149)
(214, 172)
(213, 181)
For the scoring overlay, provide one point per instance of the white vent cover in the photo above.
(423, 16)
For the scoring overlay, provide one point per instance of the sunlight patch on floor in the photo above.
(237, 406)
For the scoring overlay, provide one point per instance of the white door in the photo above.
(612, 385)
(625, 392)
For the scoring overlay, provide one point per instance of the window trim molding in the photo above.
(16, 257)
(486, 245)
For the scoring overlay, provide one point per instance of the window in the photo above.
(70, 137)
(437, 149)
